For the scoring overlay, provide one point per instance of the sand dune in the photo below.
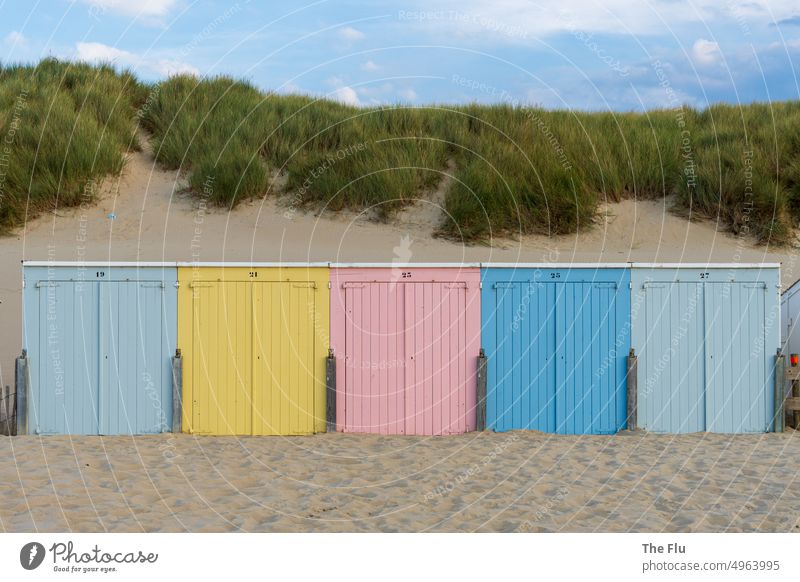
(519, 481)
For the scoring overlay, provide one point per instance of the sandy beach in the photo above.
(503, 482)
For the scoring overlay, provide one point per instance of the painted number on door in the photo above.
(253, 274)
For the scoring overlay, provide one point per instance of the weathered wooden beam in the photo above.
(330, 391)
(633, 389)
(22, 381)
(480, 413)
(5, 417)
(792, 373)
(792, 404)
(780, 393)
(177, 392)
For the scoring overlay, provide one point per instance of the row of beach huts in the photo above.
(413, 349)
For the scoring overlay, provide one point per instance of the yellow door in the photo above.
(220, 358)
(254, 344)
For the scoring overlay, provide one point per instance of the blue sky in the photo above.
(612, 55)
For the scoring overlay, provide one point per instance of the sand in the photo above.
(507, 482)
(531, 482)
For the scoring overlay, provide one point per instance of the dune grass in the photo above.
(63, 127)
(518, 169)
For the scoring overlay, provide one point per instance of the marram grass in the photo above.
(518, 169)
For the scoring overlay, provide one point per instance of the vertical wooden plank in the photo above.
(22, 392)
(780, 392)
(415, 320)
(349, 355)
(380, 399)
(408, 334)
(633, 392)
(261, 363)
(274, 373)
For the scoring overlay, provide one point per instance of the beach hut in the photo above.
(99, 339)
(790, 313)
(705, 336)
(556, 339)
(406, 340)
(254, 339)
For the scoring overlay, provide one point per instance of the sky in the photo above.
(619, 55)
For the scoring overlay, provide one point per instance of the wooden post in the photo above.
(780, 394)
(330, 391)
(177, 391)
(22, 383)
(795, 394)
(633, 390)
(5, 420)
(480, 417)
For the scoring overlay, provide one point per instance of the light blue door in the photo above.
(672, 368)
(706, 340)
(133, 396)
(737, 398)
(99, 348)
(64, 355)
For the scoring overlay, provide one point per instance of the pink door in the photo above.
(406, 345)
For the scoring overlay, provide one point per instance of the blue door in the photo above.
(556, 342)
(99, 352)
(672, 368)
(706, 339)
(738, 382)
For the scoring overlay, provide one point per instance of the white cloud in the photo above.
(705, 52)
(346, 95)
(523, 21)
(94, 52)
(15, 38)
(370, 66)
(408, 94)
(97, 51)
(350, 33)
(145, 8)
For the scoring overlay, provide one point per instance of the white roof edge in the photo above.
(403, 265)
(556, 265)
(97, 264)
(168, 264)
(706, 265)
(296, 264)
(287, 264)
